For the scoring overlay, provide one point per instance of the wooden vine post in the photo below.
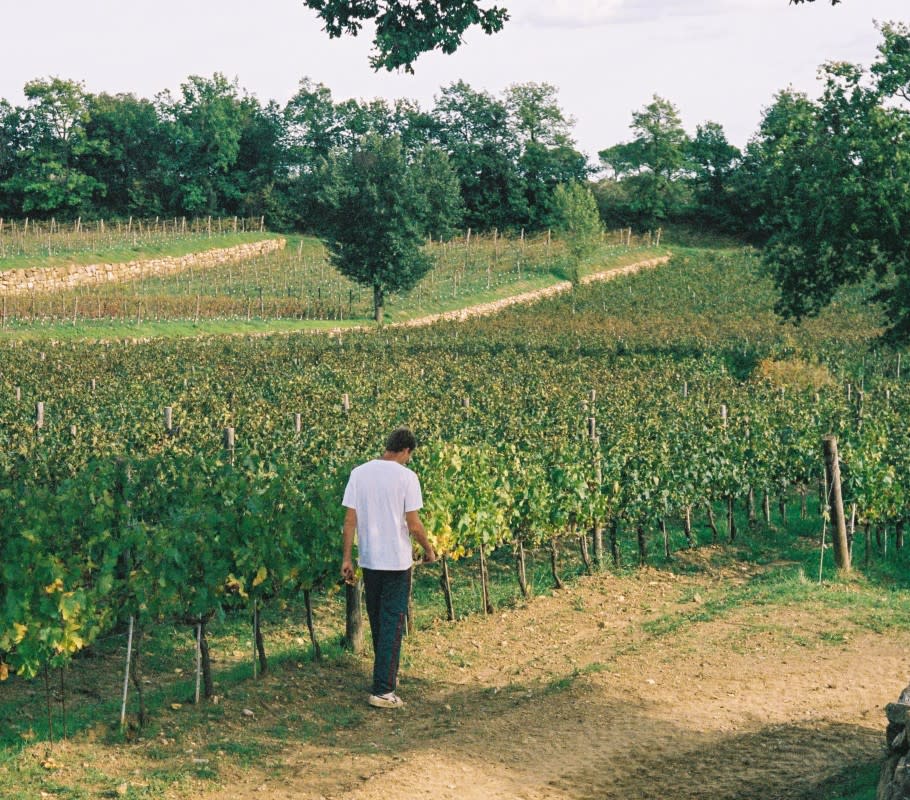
(446, 584)
(353, 618)
(353, 592)
(597, 532)
(836, 504)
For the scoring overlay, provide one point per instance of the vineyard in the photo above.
(186, 482)
(24, 242)
(294, 284)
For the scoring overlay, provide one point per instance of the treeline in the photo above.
(214, 149)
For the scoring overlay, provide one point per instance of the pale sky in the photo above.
(720, 60)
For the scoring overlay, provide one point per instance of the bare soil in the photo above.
(576, 695)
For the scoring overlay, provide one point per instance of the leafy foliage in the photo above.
(404, 30)
(832, 176)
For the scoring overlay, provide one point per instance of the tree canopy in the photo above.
(405, 29)
(831, 176)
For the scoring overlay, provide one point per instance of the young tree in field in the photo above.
(654, 162)
(578, 221)
(373, 204)
(833, 178)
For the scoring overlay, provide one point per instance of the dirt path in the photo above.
(483, 309)
(583, 695)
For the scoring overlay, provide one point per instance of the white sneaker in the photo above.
(390, 700)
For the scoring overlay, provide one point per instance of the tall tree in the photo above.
(441, 210)
(474, 129)
(11, 144)
(543, 169)
(131, 147)
(714, 162)
(54, 137)
(654, 162)
(205, 125)
(547, 156)
(536, 116)
(371, 206)
(836, 204)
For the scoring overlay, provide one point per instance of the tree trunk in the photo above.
(842, 554)
(554, 564)
(750, 506)
(136, 675)
(851, 530)
(378, 303)
(614, 542)
(642, 545)
(485, 583)
(583, 549)
(521, 568)
(766, 507)
(353, 616)
(899, 535)
(687, 527)
(260, 643)
(47, 699)
(782, 509)
(308, 604)
(711, 523)
(597, 535)
(446, 585)
(731, 519)
(63, 700)
(207, 682)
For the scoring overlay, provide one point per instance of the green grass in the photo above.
(855, 782)
(140, 249)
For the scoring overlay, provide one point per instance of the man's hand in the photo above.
(429, 555)
(347, 572)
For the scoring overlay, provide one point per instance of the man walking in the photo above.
(382, 499)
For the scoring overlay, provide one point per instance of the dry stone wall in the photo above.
(49, 279)
(894, 783)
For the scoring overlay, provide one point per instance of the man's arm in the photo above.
(416, 529)
(347, 563)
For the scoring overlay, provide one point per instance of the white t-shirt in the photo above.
(381, 492)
